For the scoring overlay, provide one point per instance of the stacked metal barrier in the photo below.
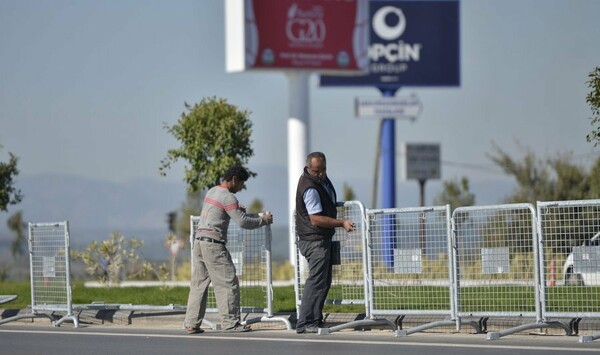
(250, 251)
(50, 272)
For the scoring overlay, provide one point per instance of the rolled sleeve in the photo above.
(312, 201)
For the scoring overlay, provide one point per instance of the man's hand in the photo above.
(266, 217)
(349, 226)
(328, 222)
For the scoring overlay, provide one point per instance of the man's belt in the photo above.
(211, 240)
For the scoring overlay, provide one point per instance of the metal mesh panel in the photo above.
(570, 256)
(250, 251)
(496, 263)
(49, 261)
(348, 281)
(409, 261)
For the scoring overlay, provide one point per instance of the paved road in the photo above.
(31, 339)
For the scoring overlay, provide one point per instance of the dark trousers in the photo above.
(316, 287)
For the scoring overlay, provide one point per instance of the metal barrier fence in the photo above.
(410, 264)
(349, 281)
(482, 261)
(497, 264)
(250, 251)
(570, 259)
(50, 272)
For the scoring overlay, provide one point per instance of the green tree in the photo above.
(594, 192)
(16, 225)
(571, 181)
(593, 99)
(191, 207)
(349, 194)
(214, 135)
(8, 194)
(456, 193)
(551, 179)
(256, 206)
(4, 272)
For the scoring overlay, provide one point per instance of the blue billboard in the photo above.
(412, 43)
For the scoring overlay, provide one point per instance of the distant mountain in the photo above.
(96, 208)
(141, 203)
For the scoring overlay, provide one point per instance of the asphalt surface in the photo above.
(39, 338)
(116, 331)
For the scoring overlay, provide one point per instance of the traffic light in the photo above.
(172, 220)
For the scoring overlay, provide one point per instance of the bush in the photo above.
(116, 259)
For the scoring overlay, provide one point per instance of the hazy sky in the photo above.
(85, 87)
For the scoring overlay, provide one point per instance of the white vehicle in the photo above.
(572, 276)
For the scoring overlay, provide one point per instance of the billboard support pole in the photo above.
(376, 170)
(388, 190)
(298, 142)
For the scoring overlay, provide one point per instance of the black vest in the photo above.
(304, 228)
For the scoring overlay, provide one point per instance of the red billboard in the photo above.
(330, 35)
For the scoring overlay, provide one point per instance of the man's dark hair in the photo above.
(237, 170)
(315, 155)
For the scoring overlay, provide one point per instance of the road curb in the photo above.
(174, 319)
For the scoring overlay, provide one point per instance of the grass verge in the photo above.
(473, 299)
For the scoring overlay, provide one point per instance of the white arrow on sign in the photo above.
(388, 107)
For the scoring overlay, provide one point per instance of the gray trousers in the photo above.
(318, 282)
(212, 263)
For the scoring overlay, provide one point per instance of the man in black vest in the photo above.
(316, 220)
